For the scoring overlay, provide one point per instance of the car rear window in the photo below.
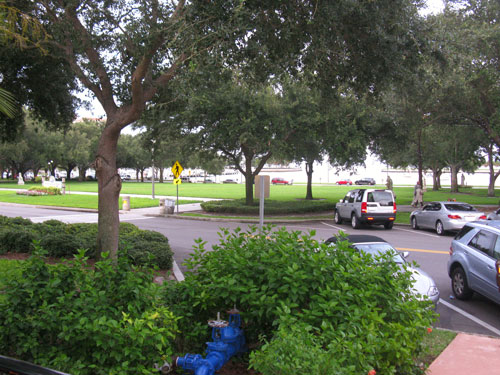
(466, 229)
(459, 207)
(384, 198)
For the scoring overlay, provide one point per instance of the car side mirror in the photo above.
(405, 254)
(341, 201)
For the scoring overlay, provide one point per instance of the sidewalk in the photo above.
(468, 355)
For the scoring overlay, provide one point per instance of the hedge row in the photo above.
(271, 207)
(64, 240)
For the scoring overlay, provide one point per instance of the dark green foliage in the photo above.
(65, 240)
(60, 244)
(239, 206)
(16, 240)
(110, 320)
(356, 312)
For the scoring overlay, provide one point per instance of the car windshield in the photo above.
(379, 248)
(459, 207)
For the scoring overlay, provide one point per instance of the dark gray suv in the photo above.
(474, 264)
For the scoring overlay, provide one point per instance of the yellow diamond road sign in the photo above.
(177, 181)
(177, 169)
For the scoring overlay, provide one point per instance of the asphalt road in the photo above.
(430, 251)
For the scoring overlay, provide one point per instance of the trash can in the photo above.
(170, 206)
(126, 203)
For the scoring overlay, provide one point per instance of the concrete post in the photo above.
(163, 210)
(126, 203)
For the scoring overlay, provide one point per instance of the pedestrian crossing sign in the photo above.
(177, 169)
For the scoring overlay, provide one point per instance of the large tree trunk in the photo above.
(454, 178)
(493, 175)
(248, 182)
(81, 174)
(436, 184)
(109, 183)
(309, 172)
(420, 159)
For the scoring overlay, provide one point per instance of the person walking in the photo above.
(418, 196)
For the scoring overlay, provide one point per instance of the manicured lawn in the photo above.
(74, 200)
(332, 193)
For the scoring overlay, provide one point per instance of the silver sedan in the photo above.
(495, 215)
(445, 216)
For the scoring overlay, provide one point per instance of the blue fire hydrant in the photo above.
(228, 340)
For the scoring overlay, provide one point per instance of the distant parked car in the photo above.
(495, 215)
(208, 181)
(344, 182)
(365, 181)
(474, 264)
(445, 216)
(424, 285)
(229, 181)
(281, 181)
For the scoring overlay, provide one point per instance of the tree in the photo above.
(244, 124)
(125, 51)
(322, 127)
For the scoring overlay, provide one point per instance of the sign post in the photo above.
(176, 171)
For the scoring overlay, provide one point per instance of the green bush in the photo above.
(64, 240)
(16, 239)
(147, 248)
(238, 206)
(110, 320)
(361, 311)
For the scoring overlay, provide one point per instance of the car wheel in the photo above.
(439, 228)
(459, 284)
(389, 224)
(414, 224)
(355, 222)
(337, 218)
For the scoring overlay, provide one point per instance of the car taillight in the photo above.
(458, 217)
(497, 266)
(394, 209)
(364, 207)
(482, 217)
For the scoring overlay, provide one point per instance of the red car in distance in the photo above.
(281, 181)
(344, 182)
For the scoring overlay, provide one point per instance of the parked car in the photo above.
(367, 206)
(208, 181)
(365, 181)
(281, 181)
(495, 215)
(424, 285)
(474, 264)
(445, 216)
(344, 182)
(229, 181)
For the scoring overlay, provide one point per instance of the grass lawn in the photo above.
(74, 200)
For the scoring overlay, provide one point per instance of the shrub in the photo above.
(60, 244)
(239, 206)
(62, 240)
(81, 321)
(16, 239)
(362, 312)
(47, 190)
(147, 248)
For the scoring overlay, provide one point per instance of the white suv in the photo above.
(367, 206)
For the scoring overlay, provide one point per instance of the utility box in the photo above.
(258, 185)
